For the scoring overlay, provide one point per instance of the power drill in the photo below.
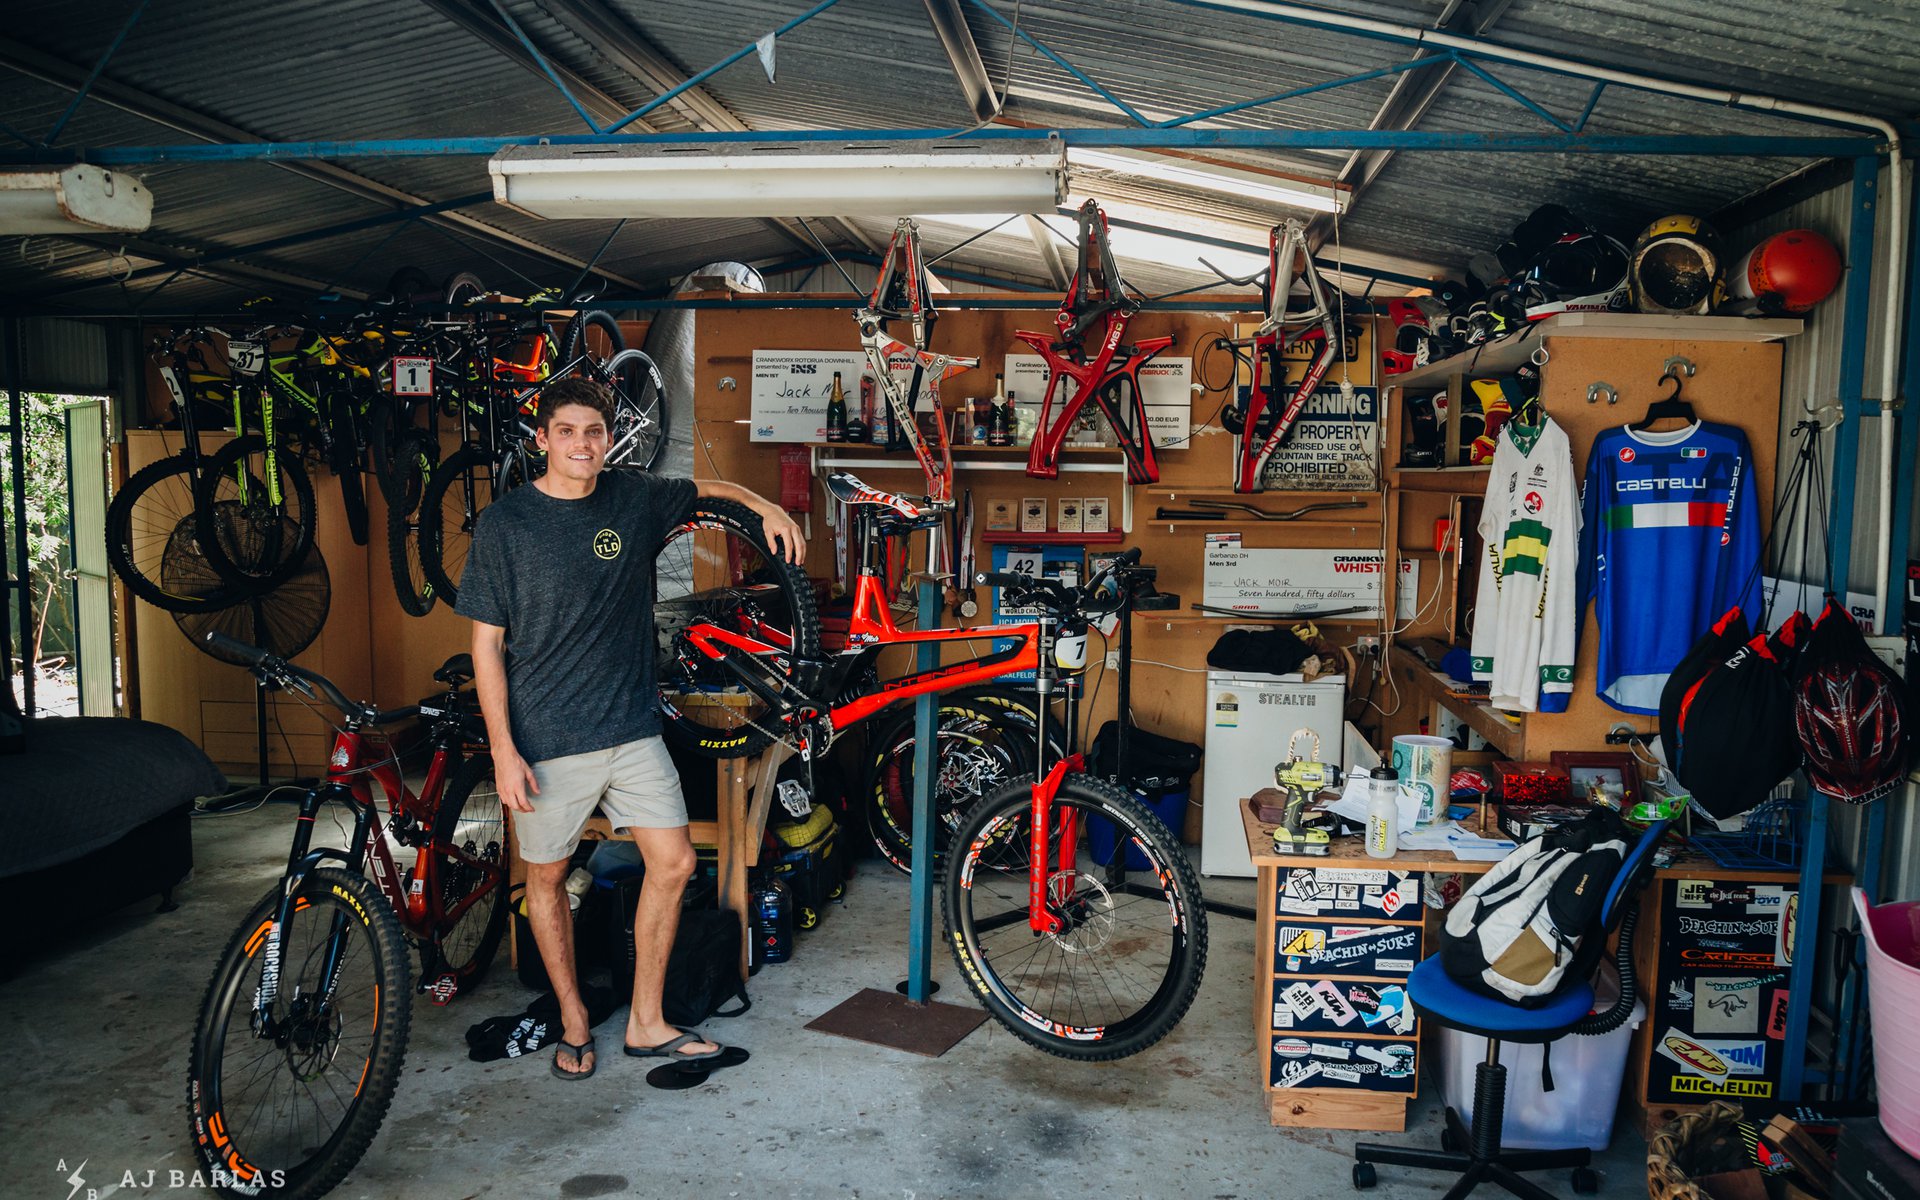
(1302, 780)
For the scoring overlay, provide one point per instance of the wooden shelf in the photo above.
(1245, 522)
(1226, 492)
(1463, 481)
(907, 455)
(1008, 537)
(1249, 619)
(1507, 354)
(1505, 736)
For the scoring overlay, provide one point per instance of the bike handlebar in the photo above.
(273, 668)
(1063, 597)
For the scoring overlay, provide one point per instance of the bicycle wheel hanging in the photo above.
(1127, 962)
(404, 554)
(593, 334)
(248, 530)
(291, 1111)
(469, 868)
(639, 411)
(460, 486)
(716, 569)
(142, 523)
(285, 620)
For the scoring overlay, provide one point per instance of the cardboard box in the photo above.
(1033, 514)
(1093, 515)
(1068, 520)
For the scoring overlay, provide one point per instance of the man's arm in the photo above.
(511, 774)
(782, 533)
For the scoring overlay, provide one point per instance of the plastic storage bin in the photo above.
(1169, 806)
(1586, 1085)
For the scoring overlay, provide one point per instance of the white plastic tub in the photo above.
(1586, 1085)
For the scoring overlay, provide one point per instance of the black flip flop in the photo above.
(674, 1077)
(669, 1049)
(579, 1053)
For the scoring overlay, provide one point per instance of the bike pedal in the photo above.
(442, 990)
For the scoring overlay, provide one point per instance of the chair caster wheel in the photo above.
(1585, 1181)
(1364, 1176)
(1447, 1141)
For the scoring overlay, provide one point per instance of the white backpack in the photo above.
(1517, 931)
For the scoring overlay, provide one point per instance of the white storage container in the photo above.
(1586, 1085)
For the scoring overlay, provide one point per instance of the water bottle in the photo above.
(1383, 812)
(772, 908)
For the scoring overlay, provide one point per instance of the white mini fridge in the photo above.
(1250, 716)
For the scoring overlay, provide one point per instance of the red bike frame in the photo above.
(1286, 244)
(1097, 295)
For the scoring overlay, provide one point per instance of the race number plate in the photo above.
(246, 357)
(413, 377)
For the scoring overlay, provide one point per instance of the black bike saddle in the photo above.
(456, 670)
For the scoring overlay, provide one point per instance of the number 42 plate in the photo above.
(413, 377)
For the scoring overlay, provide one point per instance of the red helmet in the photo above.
(1849, 713)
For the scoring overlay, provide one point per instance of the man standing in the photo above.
(559, 586)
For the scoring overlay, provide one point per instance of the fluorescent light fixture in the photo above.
(1210, 177)
(796, 179)
(75, 199)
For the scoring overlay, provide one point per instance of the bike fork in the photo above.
(300, 861)
(1041, 877)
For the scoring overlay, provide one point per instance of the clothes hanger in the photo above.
(1669, 405)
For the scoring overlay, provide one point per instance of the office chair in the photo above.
(1476, 1154)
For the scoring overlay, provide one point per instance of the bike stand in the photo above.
(907, 1018)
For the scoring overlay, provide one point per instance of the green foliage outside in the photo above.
(48, 523)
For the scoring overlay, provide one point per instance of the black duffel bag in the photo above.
(1153, 760)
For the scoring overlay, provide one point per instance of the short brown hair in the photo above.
(574, 389)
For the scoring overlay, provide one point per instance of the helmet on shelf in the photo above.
(1787, 273)
(1676, 266)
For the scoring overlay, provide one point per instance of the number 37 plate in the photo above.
(412, 376)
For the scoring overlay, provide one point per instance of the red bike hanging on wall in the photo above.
(1255, 418)
(903, 292)
(1090, 359)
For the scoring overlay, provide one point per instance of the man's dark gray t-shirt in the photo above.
(571, 581)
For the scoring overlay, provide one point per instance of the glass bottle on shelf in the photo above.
(1000, 415)
(837, 411)
(866, 407)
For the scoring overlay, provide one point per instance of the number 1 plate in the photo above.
(413, 377)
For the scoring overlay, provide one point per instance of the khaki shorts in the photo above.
(634, 783)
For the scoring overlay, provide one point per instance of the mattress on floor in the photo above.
(85, 781)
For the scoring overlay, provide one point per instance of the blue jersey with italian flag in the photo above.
(1670, 541)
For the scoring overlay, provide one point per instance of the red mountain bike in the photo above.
(1072, 911)
(304, 1025)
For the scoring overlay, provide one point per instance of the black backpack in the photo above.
(703, 970)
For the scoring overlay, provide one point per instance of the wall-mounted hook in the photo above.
(1677, 364)
(1539, 356)
(1598, 389)
(729, 384)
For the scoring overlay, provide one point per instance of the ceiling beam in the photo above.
(181, 259)
(951, 24)
(1045, 242)
(617, 41)
(36, 65)
(1412, 95)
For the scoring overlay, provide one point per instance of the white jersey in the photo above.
(1524, 634)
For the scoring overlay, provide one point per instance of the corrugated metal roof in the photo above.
(369, 68)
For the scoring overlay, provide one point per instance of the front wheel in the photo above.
(460, 486)
(255, 514)
(1126, 960)
(468, 872)
(288, 1111)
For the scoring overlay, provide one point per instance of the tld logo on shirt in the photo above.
(606, 544)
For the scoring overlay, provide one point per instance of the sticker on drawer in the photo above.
(1325, 948)
(1346, 892)
(1341, 1005)
(1374, 1065)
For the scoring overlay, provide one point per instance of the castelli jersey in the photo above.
(1670, 540)
(1523, 625)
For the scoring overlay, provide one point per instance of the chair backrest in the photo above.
(1639, 856)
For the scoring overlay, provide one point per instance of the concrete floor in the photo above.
(100, 1032)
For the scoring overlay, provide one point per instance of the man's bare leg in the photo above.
(552, 923)
(670, 861)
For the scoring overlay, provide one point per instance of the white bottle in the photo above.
(1383, 812)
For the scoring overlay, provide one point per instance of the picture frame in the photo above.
(1610, 769)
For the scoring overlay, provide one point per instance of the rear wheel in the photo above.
(291, 1112)
(986, 737)
(404, 554)
(714, 576)
(469, 873)
(1127, 961)
(144, 525)
(639, 411)
(592, 334)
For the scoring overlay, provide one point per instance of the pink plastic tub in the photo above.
(1893, 983)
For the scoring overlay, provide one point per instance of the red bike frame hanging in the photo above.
(1110, 377)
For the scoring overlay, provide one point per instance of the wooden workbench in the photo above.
(735, 833)
(1687, 880)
